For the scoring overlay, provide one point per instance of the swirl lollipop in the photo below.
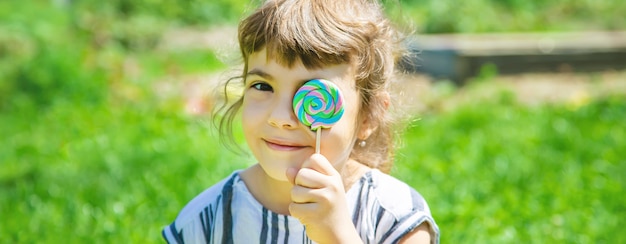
(318, 104)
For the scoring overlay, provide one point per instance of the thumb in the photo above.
(320, 164)
(291, 175)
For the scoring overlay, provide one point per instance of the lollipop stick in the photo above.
(317, 140)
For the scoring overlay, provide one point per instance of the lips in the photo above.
(282, 145)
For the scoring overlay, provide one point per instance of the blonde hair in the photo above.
(327, 32)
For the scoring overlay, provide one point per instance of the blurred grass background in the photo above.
(91, 150)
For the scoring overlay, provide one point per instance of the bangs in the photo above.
(299, 30)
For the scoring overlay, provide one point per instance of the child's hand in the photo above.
(319, 202)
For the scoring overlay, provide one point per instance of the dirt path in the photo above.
(530, 89)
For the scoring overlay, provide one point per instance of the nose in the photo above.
(282, 115)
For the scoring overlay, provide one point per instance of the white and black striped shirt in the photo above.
(384, 210)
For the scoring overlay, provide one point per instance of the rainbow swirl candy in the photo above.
(318, 104)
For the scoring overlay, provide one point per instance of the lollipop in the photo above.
(318, 104)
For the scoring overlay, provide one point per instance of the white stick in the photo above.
(317, 140)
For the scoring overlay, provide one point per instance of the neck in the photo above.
(277, 199)
(351, 172)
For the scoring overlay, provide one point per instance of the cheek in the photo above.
(344, 130)
(337, 142)
(251, 115)
(351, 111)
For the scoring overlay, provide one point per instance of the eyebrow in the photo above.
(260, 73)
(270, 77)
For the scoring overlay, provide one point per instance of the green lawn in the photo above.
(503, 173)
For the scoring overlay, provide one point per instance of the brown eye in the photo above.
(262, 87)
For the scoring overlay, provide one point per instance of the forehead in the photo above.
(260, 63)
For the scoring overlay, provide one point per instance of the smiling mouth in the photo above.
(280, 146)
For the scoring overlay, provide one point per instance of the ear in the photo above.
(369, 125)
(366, 129)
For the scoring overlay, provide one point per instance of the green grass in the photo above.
(503, 173)
(75, 174)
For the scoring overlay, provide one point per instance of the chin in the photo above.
(275, 173)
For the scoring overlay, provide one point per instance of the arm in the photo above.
(420, 235)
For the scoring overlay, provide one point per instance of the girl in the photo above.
(294, 195)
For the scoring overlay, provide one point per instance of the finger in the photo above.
(291, 175)
(311, 179)
(320, 164)
(301, 194)
(303, 211)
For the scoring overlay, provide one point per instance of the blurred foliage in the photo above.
(63, 51)
(445, 16)
(72, 49)
(90, 152)
(188, 12)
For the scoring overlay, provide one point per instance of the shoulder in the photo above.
(401, 209)
(396, 196)
(209, 198)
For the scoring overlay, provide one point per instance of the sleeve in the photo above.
(401, 209)
(408, 223)
(200, 221)
(172, 235)
(204, 228)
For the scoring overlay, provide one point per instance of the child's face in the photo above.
(273, 132)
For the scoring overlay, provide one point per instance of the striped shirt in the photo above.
(383, 208)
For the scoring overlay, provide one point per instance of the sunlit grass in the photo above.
(112, 174)
(501, 173)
